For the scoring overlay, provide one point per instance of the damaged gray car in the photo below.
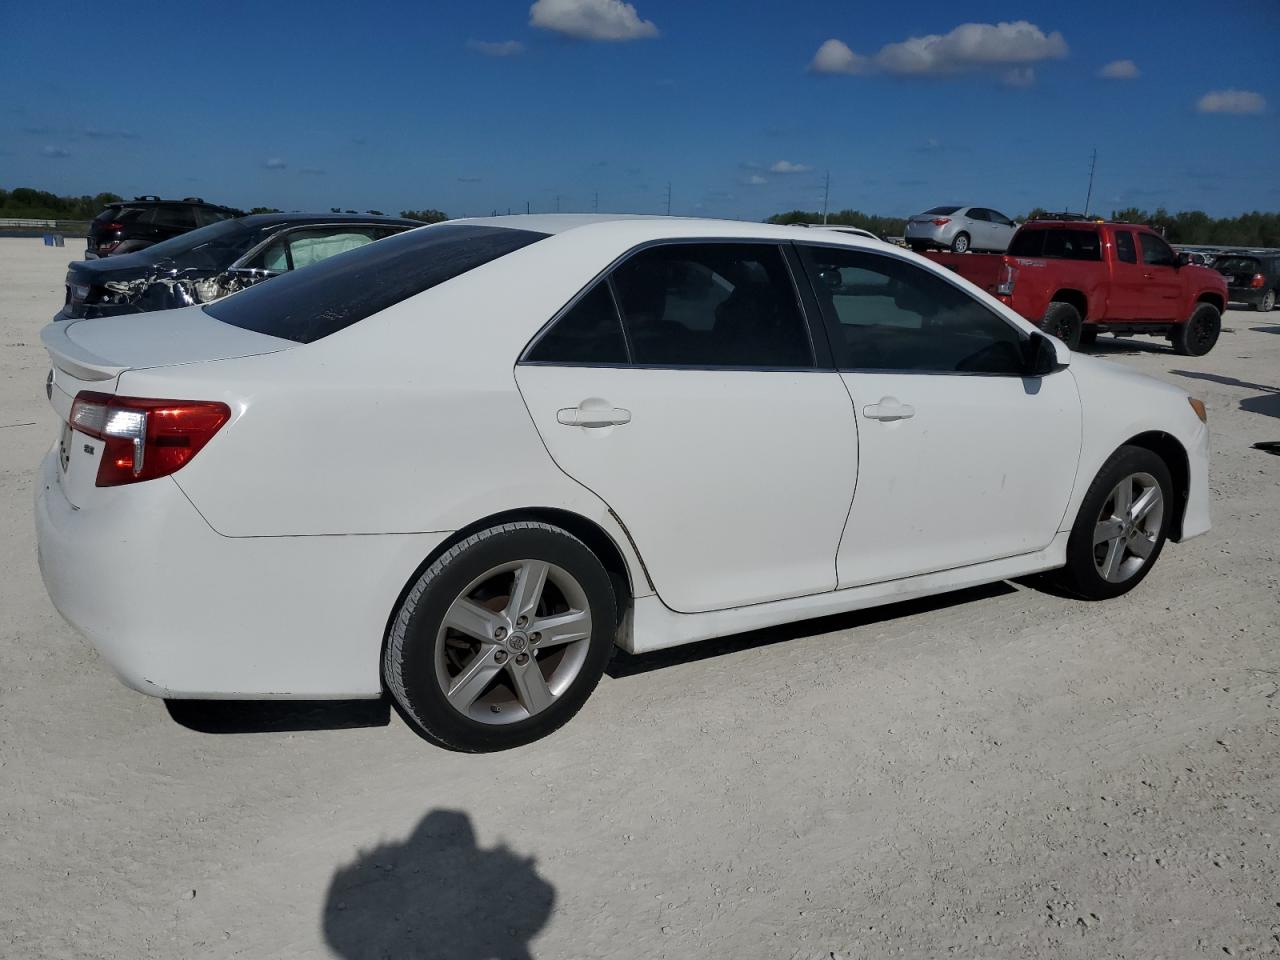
(216, 261)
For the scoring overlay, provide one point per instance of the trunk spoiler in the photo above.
(69, 357)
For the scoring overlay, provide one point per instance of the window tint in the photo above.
(887, 314)
(1155, 252)
(301, 248)
(1237, 265)
(712, 305)
(997, 217)
(589, 332)
(1056, 243)
(208, 215)
(942, 210)
(309, 304)
(174, 217)
(1125, 250)
(977, 213)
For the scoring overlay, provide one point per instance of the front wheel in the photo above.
(1197, 336)
(502, 639)
(960, 244)
(1121, 527)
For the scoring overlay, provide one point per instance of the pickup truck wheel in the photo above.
(961, 243)
(1197, 336)
(1267, 303)
(1062, 320)
(1121, 526)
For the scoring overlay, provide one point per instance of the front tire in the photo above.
(1121, 527)
(961, 243)
(502, 639)
(1062, 320)
(1198, 335)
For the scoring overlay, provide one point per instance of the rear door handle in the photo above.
(603, 416)
(889, 408)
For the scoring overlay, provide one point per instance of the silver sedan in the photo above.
(960, 229)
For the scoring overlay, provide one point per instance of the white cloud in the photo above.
(834, 56)
(55, 153)
(274, 163)
(496, 48)
(591, 19)
(1120, 70)
(786, 166)
(1231, 101)
(755, 180)
(970, 46)
(1019, 77)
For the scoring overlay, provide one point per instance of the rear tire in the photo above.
(1198, 335)
(1062, 320)
(961, 243)
(1267, 303)
(502, 639)
(1088, 336)
(1118, 536)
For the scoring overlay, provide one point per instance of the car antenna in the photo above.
(1089, 196)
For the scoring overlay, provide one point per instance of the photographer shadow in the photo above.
(436, 895)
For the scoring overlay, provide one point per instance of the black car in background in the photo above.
(215, 261)
(133, 225)
(1252, 277)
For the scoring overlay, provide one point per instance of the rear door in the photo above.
(1162, 297)
(685, 391)
(961, 459)
(979, 228)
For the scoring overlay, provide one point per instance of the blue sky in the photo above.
(471, 107)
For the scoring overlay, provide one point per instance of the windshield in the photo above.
(216, 246)
(315, 301)
(942, 210)
(1236, 265)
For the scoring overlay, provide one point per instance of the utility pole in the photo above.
(1089, 196)
(595, 203)
(668, 198)
(826, 196)
(557, 203)
(526, 207)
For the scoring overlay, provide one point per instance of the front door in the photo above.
(703, 421)
(1162, 298)
(961, 458)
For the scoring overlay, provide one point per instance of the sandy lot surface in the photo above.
(998, 773)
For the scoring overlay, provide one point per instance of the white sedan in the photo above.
(460, 464)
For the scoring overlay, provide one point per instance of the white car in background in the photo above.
(462, 463)
(960, 229)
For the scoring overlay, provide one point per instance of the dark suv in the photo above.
(1252, 278)
(133, 225)
(215, 261)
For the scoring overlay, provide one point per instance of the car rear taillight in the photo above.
(144, 439)
(106, 248)
(1257, 281)
(941, 221)
(1008, 277)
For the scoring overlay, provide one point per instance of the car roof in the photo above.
(642, 227)
(276, 219)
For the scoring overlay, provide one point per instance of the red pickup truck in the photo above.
(1079, 278)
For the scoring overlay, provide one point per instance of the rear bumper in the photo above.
(180, 611)
(929, 234)
(1249, 295)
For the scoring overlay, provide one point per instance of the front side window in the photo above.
(1155, 252)
(712, 305)
(301, 248)
(888, 314)
(1000, 218)
(1125, 250)
(305, 305)
(589, 332)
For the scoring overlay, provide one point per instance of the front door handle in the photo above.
(889, 408)
(593, 416)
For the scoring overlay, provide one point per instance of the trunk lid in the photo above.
(92, 354)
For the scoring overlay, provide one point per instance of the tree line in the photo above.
(1189, 227)
(26, 203)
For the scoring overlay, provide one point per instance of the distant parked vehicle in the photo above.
(1077, 278)
(133, 225)
(1252, 278)
(843, 228)
(960, 229)
(210, 263)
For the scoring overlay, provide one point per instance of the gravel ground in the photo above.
(996, 773)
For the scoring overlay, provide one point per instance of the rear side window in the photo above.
(1057, 244)
(311, 303)
(1125, 250)
(176, 217)
(589, 332)
(977, 213)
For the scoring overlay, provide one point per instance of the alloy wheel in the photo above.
(513, 641)
(1128, 527)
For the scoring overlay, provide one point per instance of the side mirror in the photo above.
(1041, 357)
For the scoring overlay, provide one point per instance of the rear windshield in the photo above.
(326, 297)
(1236, 265)
(943, 210)
(1056, 244)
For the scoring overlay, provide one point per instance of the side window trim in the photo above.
(832, 322)
(819, 349)
(604, 279)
